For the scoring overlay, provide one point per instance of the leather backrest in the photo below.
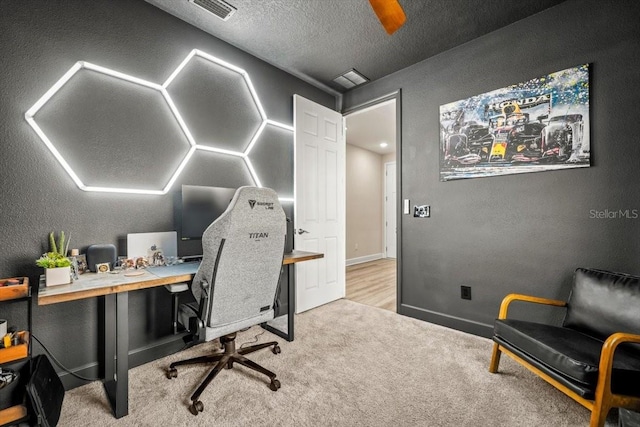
(242, 257)
(602, 303)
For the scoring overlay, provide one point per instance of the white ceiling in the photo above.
(370, 127)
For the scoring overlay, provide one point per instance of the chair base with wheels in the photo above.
(226, 359)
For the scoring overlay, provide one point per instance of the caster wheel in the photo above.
(172, 373)
(276, 349)
(196, 407)
(275, 385)
(229, 365)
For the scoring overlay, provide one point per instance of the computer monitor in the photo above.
(201, 206)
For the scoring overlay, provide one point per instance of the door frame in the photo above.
(397, 95)
(385, 165)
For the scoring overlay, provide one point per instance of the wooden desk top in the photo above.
(299, 256)
(93, 284)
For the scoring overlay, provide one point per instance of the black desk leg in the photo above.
(116, 348)
(291, 302)
(291, 296)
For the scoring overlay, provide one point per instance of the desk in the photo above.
(115, 289)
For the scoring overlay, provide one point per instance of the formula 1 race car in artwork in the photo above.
(563, 138)
(513, 138)
(536, 125)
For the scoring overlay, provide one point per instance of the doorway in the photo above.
(371, 206)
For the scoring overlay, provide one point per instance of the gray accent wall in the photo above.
(519, 233)
(117, 132)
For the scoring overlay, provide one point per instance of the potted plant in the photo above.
(57, 267)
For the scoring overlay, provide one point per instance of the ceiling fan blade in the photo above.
(389, 13)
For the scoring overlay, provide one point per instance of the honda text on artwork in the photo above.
(539, 125)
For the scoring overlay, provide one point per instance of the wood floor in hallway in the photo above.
(373, 283)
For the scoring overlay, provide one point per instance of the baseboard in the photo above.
(366, 258)
(138, 356)
(90, 370)
(159, 349)
(453, 322)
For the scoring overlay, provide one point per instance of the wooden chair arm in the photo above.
(504, 307)
(606, 356)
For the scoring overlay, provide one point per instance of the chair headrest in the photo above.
(254, 199)
(249, 206)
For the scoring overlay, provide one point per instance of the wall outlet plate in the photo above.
(423, 211)
(465, 292)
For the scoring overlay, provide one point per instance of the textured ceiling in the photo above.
(317, 40)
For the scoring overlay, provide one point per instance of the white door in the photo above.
(390, 209)
(319, 202)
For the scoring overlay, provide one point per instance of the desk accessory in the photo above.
(100, 254)
(103, 267)
(134, 273)
(57, 267)
(154, 247)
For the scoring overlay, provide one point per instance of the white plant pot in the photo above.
(57, 276)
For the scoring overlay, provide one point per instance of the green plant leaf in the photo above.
(57, 256)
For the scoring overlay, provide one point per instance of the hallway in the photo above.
(373, 283)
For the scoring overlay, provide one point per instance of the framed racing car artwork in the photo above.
(538, 125)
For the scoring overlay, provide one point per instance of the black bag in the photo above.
(46, 392)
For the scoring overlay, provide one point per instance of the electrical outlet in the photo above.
(465, 292)
(356, 248)
(423, 211)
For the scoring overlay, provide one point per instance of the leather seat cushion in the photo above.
(573, 354)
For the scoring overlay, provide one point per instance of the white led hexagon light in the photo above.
(265, 121)
(29, 115)
(78, 66)
(272, 143)
(204, 87)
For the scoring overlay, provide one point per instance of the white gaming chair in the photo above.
(237, 282)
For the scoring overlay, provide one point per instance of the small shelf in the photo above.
(13, 406)
(12, 414)
(16, 352)
(19, 290)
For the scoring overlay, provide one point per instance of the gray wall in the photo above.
(519, 233)
(125, 132)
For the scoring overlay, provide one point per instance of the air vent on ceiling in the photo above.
(219, 8)
(351, 78)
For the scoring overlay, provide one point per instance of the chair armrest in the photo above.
(198, 331)
(606, 356)
(504, 307)
(203, 312)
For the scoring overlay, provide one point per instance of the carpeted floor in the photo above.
(350, 365)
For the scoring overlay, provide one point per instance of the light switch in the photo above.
(407, 207)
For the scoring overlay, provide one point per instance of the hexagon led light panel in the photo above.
(29, 115)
